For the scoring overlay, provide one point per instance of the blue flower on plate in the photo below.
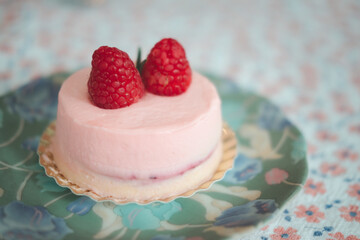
(247, 214)
(148, 216)
(81, 206)
(19, 221)
(31, 143)
(35, 101)
(271, 118)
(244, 169)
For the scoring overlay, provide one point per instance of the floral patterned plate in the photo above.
(269, 170)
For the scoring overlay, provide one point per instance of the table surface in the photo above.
(302, 55)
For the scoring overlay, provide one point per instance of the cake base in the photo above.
(104, 188)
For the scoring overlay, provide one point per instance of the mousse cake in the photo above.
(138, 134)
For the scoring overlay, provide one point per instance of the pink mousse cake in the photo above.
(153, 149)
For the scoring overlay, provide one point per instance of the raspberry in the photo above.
(114, 81)
(166, 70)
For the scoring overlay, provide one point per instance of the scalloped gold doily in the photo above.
(46, 159)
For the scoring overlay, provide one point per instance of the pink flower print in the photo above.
(319, 116)
(356, 81)
(302, 99)
(313, 188)
(344, 108)
(350, 213)
(355, 129)
(6, 48)
(340, 236)
(354, 191)
(276, 176)
(344, 154)
(5, 75)
(341, 103)
(281, 233)
(264, 228)
(311, 148)
(312, 213)
(326, 136)
(309, 76)
(332, 168)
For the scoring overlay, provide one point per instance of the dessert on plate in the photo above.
(138, 134)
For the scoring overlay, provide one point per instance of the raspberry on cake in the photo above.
(154, 149)
(114, 81)
(166, 70)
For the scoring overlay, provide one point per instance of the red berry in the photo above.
(114, 81)
(166, 70)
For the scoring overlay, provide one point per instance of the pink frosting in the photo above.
(158, 136)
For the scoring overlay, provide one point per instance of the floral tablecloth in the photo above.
(304, 56)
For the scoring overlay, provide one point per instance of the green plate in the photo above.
(268, 171)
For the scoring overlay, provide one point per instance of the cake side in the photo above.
(140, 190)
(151, 139)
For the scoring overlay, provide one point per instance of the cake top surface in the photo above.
(151, 112)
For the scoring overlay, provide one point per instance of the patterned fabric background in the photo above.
(302, 55)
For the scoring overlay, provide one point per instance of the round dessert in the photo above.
(156, 148)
